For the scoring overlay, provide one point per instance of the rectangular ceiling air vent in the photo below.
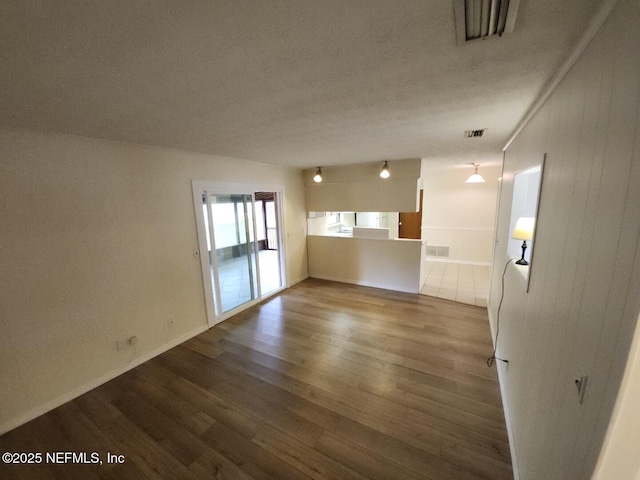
(474, 133)
(480, 19)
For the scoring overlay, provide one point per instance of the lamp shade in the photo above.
(476, 177)
(524, 228)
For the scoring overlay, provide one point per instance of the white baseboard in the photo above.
(505, 406)
(76, 392)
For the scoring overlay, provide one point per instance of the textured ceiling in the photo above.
(303, 83)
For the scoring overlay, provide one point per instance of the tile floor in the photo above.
(461, 283)
(235, 288)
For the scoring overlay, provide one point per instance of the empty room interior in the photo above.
(350, 239)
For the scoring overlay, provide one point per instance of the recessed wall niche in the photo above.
(527, 185)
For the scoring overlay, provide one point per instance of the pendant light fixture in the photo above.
(384, 173)
(318, 176)
(476, 177)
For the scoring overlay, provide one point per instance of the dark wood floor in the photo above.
(324, 381)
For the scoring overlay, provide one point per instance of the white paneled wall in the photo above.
(583, 303)
(96, 245)
(619, 457)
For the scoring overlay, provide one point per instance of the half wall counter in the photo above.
(392, 264)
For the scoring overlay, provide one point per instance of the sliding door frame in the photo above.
(199, 188)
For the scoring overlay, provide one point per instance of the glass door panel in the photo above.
(235, 260)
(269, 247)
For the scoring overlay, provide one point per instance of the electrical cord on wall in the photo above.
(491, 360)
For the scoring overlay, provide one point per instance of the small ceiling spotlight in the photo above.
(384, 173)
(318, 176)
(476, 177)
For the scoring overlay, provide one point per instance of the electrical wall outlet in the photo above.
(170, 323)
(122, 345)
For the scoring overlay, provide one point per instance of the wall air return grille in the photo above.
(437, 251)
(480, 19)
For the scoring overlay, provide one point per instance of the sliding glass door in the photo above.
(267, 227)
(232, 222)
(240, 247)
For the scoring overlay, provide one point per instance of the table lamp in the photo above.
(524, 231)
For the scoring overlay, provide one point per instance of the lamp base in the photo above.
(522, 261)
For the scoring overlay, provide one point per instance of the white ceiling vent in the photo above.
(480, 19)
(474, 133)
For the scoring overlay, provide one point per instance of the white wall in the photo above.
(368, 219)
(457, 214)
(620, 457)
(390, 220)
(583, 303)
(96, 245)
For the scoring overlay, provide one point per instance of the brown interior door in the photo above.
(410, 223)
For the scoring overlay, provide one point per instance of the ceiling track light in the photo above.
(476, 177)
(318, 176)
(384, 173)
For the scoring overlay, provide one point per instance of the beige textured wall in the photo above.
(359, 188)
(96, 245)
(582, 307)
